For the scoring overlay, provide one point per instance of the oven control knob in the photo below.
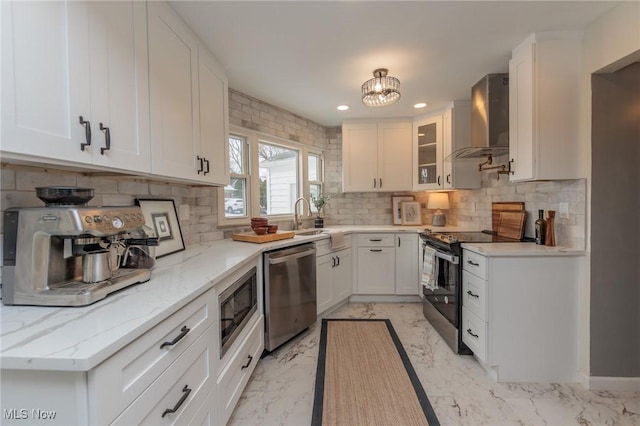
(117, 222)
(452, 239)
(97, 219)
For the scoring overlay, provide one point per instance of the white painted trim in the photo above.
(631, 384)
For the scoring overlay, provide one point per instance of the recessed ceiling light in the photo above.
(343, 107)
(420, 105)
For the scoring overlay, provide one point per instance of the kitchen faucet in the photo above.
(297, 222)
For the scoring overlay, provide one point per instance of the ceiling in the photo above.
(308, 57)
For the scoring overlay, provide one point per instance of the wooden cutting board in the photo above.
(511, 224)
(252, 237)
(498, 207)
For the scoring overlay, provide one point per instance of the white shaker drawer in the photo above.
(178, 393)
(121, 378)
(236, 374)
(474, 263)
(474, 295)
(376, 240)
(474, 334)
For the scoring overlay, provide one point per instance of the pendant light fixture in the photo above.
(381, 90)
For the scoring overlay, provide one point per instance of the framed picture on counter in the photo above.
(395, 207)
(161, 216)
(411, 214)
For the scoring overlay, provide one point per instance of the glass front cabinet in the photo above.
(427, 168)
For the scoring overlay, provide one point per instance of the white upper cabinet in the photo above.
(435, 137)
(66, 60)
(376, 155)
(544, 80)
(427, 153)
(188, 92)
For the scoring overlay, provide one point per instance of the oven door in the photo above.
(444, 297)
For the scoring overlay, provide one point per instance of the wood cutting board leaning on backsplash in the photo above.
(507, 219)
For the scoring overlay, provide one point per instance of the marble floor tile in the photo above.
(281, 389)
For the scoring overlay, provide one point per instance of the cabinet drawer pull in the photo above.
(471, 262)
(398, 241)
(334, 262)
(183, 332)
(201, 160)
(107, 139)
(376, 250)
(375, 239)
(206, 162)
(338, 257)
(248, 363)
(470, 293)
(471, 333)
(185, 394)
(87, 132)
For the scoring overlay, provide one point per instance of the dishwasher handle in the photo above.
(276, 260)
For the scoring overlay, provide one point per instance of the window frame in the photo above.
(252, 139)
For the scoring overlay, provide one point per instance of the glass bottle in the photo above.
(541, 228)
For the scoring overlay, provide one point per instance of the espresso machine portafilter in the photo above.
(73, 255)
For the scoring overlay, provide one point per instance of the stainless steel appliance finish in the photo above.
(236, 306)
(70, 256)
(489, 118)
(289, 293)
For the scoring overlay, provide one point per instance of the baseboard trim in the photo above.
(622, 384)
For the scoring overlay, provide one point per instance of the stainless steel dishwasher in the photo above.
(289, 293)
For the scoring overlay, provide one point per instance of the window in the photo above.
(267, 175)
(278, 178)
(315, 176)
(235, 194)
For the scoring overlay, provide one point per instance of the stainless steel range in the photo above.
(442, 280)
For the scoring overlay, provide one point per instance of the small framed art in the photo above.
(395, 207)
(161, 216)
(410, 211)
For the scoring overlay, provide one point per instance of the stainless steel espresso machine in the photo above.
(68, 254)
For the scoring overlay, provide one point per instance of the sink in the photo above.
(309, 232)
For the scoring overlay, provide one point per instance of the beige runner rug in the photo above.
(364, 377)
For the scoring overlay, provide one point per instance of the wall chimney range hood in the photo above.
(489, 118)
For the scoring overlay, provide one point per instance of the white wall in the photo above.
(608, 40)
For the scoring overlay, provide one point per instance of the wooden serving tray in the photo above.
(252, 237)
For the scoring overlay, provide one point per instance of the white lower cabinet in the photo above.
(520, 315)
(407, 256)
(240, 363)
(333, 275)
(387, 264)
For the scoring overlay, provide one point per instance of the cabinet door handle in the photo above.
(87, 132)
(185, 394)
(201, 160)
(206, 162)
(334, 262)
(183, 332)
(107, 139)
(375, 250)
(438, 180)
(375, 239)
(471, 262)
(380, 182)
(338, 257)
(247, 364)
(470, 293)
(374, 182)
(449, 178)
(471, 333)
(398, 241)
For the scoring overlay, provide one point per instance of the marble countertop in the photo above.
(519, 249)
(80, 338)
